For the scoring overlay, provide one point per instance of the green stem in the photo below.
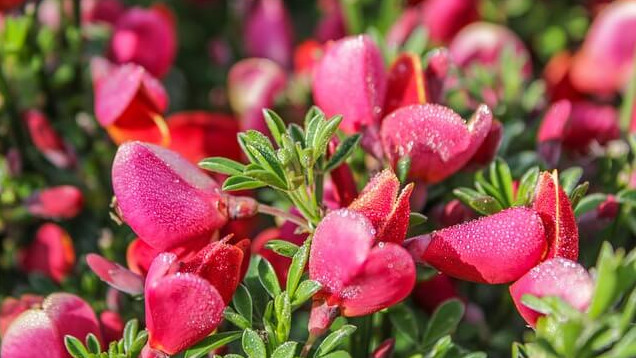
(627, 107)
(270, 210)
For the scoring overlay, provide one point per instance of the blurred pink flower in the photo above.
(47, 140)
(58, 202)
(268, 31)
(51, 253)
(12, 308)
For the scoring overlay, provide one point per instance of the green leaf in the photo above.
(285, 350)
(569, 178)
(482, 203)
(404, 320)
(138, 344)
(282, 247)
(536, 304)
(416, 220)
(527, 185)
(222, 165)
(606, 282)
(275, 124)
(312, 125)
(253, 345)
(334, 339)
(297, 267)
(212, 342)
(589, 203)
(92, 343)
(130, 333)
(236, 319)
(282, 308)
(343, 151)
(242, 302)
(444, 321)
(483, 186)
(239, 182)
(305, 291)
(75, 347)
(267, 276)
(417, 41)
(500, 174)
(337, 354)
(403, 167)
(266, 177)
(324, 136)
(627, 196)
(578, 193)
(296, 134)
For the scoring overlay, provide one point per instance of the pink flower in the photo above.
(558, 277)
(146, 37)
(12, 308)
(452, 213)
(115, 275)
(268, 31)
(59, 202)
(129, 102)
(165, 199)
(444, 18)
(483, 43)
(112, 326)
(105, 11)
(436, 139)
(42, 330)
(429, 294)
(495, 249)
(185, 301)
(51, 253)
(351, 68)
(604, 63)
(403, 27)
(254, 84)
(331, 25)
(47, 140)
(487, 151)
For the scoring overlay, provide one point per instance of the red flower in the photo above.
(268, 31)
(129, 102)
(429, 294)
(47, 140)
(112, 326)
(436, 139)
(444, 18)
(495, 249)
(41, 331)
(51, 253)
(146, 37)
(59, 202)
(558, 277)
(185, 301)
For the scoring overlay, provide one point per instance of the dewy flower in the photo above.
(495, 249)
(435, 138)
(165, 199)
(129, 102)
(351, 68)
(555, 209)
(59, 202)
(483, 43)
(558, 277)
(40, 332)
(268, 31)
(185, 301)
(116, 275)
(51, 253)
(356, 254)
(47, 140)
(254, 84)
(146, 37)
(12, 308)
(605, 61)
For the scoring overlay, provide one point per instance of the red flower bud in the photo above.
(47, 140)
(558, 277)
(494, 249)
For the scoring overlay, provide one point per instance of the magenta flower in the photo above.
(436, 139)
(351, 68)
(429, 294)
(487, 151)
(116, 275)
(604, 63)
(359, 274)
(268, 31)
(112, 326)
(47, 140)
(254, 84)
(51, 253)
(444, 18)
(59, 202)
(495, 249)
(146, 37)
(331, 25)
(558, 277)
(164, 198)
(185, 301)
(12, 308)
(42, 330)
(129, 102)
(482, 43)
(104, 11)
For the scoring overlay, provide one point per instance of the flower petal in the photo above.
(342, 241)
(116, 275)
(555, 209)
(396, 224)
(405, 83)
(377, 199)
(494, 249)
(51, 253)
(71, 315)
(386, 278)
(559, 277)
(31, 334)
